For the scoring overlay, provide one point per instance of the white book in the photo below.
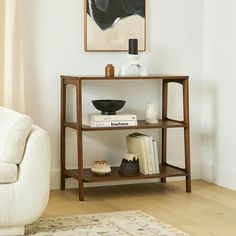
(148, 140)
(156, 159)
(113, 123)
(149, 150)
(118, 117)
(152, 155)
(137, 145)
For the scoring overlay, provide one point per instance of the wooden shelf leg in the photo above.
(81, 191)
(63, 133)
(164, 146)
(79, 139)
(187, 161)
(164, 130)
(187, 134)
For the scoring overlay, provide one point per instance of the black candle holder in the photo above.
(129, 168)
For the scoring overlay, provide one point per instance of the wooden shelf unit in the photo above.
(166, 170)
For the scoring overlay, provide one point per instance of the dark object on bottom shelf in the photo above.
(129, 168)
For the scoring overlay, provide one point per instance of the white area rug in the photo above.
(124, 223)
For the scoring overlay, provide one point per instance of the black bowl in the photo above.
(108, 107)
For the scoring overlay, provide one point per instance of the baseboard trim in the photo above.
(72, 183)
(219, 175)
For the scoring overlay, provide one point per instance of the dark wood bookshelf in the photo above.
(166, 170)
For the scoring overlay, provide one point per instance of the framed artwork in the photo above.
(109, 24)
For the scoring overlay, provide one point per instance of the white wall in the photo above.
(219, 114)
(53, 45)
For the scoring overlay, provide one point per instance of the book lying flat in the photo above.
(113, 123)
(118, 117)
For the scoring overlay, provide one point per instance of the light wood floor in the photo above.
(208, 210)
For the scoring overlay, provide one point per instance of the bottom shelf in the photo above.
(89, 177)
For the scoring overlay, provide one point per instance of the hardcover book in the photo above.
(118, 117)
(113, 123)
(156, 158)
(149, 151)
(137, 146)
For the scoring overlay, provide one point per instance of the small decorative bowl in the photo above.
(108, 106)
(100, 168)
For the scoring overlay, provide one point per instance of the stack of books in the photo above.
(146, 149)
(98, 120)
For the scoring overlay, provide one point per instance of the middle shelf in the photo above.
(141, 125)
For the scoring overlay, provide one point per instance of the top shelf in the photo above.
(175, 78)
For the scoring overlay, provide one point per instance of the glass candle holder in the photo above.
(151, 113)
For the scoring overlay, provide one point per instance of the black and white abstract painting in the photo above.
(109, 24)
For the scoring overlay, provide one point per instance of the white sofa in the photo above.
(24, 171)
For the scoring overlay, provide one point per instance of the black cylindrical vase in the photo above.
(133, 46)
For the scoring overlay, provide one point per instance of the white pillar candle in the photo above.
(151, 113)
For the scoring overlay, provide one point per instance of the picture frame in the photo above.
(109, 24)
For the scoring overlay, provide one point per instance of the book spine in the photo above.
(156, 159)
(152, 155)
(148, 154)
(144, 170)
(126, 117)
(113, 123)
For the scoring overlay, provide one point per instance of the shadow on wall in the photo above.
(209, 142)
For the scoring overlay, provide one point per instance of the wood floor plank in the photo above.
(209, 210)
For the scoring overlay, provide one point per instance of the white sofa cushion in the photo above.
(14, 130)
(8, 172)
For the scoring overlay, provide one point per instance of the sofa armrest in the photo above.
(24, 201)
